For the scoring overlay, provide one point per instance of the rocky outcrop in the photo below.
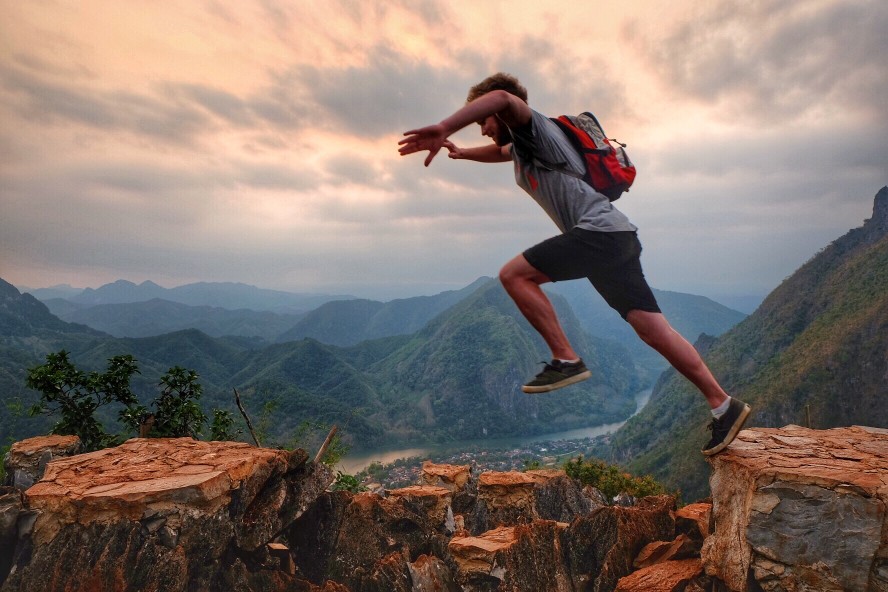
(164, 514)
(509, 540)
(363, 540)
(11, 506)
(523, 557)
(452, 477)
(801, 509)
(26, 460)
(792, 510)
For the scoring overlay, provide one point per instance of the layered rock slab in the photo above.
(164, 514)
(27, 459)
(801, 509)
(668, 576)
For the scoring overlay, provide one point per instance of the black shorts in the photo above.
(610, 260)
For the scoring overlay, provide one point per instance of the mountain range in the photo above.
(449, 367)
(349, 321)
(227, 295)
(457, 377)
(430, 368)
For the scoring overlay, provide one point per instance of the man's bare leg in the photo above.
(522, 282)
(655, 330)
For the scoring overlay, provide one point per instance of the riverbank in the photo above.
(505, 450)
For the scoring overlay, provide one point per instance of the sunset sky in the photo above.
(256, 141)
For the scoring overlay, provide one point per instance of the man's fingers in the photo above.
(410, 137)
(431, 156)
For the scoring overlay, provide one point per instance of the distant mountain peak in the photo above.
(880, 208)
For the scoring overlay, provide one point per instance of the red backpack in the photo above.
(608, 169)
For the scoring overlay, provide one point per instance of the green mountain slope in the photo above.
(28, 331)
(817, 348)
(457, 378)
(464, 370)
(690, 315)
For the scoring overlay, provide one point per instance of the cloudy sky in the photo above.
(256, 141)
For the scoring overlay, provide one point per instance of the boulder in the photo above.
(389, 574)
(431, 574)
(164, 514)
(27, 459)
(683, 547)
(432, 501)
(693, 520)
(801, 509)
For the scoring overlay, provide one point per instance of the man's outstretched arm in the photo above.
(511, 110)
(487, 153)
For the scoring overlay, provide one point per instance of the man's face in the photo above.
(494, 129)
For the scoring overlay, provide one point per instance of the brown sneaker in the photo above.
(725, 428)
(557, 374)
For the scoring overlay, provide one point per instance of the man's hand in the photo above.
(431, 138)
(453, 151)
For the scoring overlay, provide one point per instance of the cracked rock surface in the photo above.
(163, 514)
(801, 509)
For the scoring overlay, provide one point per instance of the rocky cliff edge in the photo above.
(792, 509)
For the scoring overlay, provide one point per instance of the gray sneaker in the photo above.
(557, 374)
(725, 428)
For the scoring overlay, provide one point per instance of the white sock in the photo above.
(720, 410)
(569, 361)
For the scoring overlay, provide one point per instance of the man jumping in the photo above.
(598, 242)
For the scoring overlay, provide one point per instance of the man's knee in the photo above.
(651, 327)
(518, 269)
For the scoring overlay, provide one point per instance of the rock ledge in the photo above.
(801, 509)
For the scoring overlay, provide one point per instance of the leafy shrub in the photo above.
(178, 414)
(610, 479)
(346, 482)
(76, 395)
(220, 428)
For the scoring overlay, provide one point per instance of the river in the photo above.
(354, 463)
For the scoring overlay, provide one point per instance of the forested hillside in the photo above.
(815, 351)
(690, 315)
(456, 378)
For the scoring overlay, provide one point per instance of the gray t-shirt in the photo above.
(569, 201)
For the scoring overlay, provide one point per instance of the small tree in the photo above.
(76, 395)
(176, 411)
(220, 429)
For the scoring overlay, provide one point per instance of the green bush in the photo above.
(75, 395)
(221, 427)
(610, 479)
(177, 412)
(346, 482)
